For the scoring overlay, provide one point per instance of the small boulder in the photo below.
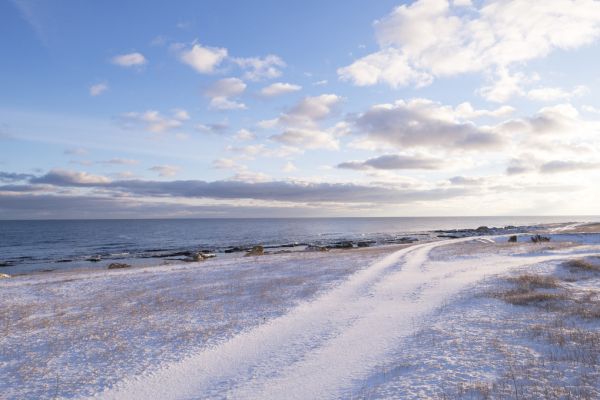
(4, 276)
(364, 244)
(342, 245)
(539, 239)
(512, 239)
(316, 248)
(256, 251)
(482, 229)
(118, 266)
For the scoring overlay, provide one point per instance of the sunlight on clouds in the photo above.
(431, 39)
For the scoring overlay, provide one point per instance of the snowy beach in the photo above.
(457, 318)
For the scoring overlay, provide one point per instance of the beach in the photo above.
(400, 321)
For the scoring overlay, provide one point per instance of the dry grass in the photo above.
(534, 281)
(581, 264)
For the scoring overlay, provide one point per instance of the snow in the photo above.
(375, 323)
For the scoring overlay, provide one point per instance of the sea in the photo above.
(44, 246)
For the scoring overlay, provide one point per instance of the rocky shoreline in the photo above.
(162, 256)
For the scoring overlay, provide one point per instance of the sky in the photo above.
(268, 108)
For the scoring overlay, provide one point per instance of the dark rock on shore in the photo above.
(450, 236)
(316, 248)
(6, 264)
(366, 243)
(513, 239)
(234, 250)
(342, 245)
(256, 251)
(402, 240)
(118, 266)
(539, 239)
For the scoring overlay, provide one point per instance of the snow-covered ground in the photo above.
(435, 319)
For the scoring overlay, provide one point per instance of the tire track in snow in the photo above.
(325, 347)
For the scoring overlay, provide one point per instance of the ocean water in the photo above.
(27, 246)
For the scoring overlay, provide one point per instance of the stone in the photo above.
(256, 251)
(118, 266)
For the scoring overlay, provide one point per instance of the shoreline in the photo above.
(156, 257)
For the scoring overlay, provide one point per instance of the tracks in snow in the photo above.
(325, 347)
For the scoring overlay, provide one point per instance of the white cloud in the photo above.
(180, 114)
(203, 59)
(258, 68)
(130, 60)
(591, 109)
(216, 127)
(553, 93)
(154, 121)
(165, 170)
(65, 178)
(465, 110)
(227, 87)
(260, 150)
(224, 163)
(432, 38)
(504, 85)
(301, 123)
(289, 167)
(394, 162)
(98, 89)
(424, 123)
(307, 139)
(121, 161)
(279, 88)
(244, 134)
(310, 110)
(562, 119)
(221, 92)
(223, 103)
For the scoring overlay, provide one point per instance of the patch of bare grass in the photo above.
(581, 264)
(534, 281)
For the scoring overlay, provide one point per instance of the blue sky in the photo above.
(314, 108)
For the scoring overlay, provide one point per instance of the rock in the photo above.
(118, 266)
(450, 236)
(234, 250)
(512, 239)
(342, 245)
(364, 244)
(256, 251)
(482, 229)
(4, 276)
(316, 248)
(6, 263)
(539, 239)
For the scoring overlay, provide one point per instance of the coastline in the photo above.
(82, 255)
(102, 327)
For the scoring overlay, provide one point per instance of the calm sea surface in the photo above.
(43, 245)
